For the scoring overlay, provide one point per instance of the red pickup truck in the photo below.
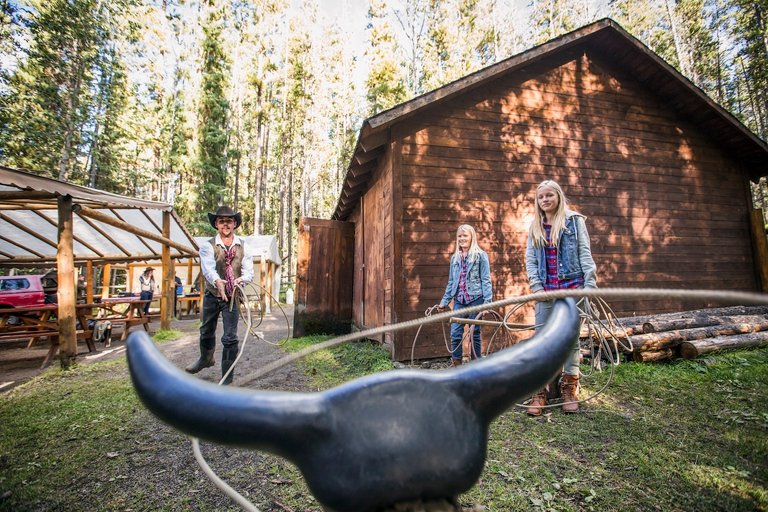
(27, 291)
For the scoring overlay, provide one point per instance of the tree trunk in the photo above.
(661, 340)
(699, 321)
(650, 321)
(650, 356)
(694, 348)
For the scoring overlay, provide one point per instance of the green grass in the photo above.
(671, 436)
(167, 335)
(328, 368)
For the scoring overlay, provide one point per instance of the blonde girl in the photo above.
(469, 284)
(558, 257)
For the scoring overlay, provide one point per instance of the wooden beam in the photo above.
(89, 282)
(106, 280)
(25, 195)
(362, 158)
(17, 244)
(105, 235)
(107, 219)
(166, 297)
(47, 261)
(374, 141)
(65, 265)
(29, 230)
(77, 239)
(142, 240)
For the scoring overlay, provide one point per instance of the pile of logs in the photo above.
(692, 333)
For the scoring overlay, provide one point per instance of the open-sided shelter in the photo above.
(45, 223)
(661, 171)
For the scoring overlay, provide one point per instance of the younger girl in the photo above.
(469, 284)
(558, 257)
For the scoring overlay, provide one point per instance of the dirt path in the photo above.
(19, 363)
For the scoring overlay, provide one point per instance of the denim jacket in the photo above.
(478, 279)
(574, 255)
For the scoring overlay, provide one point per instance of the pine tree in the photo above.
(213, 111)
(385, 84)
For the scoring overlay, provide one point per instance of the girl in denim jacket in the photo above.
(469, 284)
(558, 257)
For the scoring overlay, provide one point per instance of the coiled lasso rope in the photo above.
(742, 298)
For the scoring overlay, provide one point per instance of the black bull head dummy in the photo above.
(378, 440)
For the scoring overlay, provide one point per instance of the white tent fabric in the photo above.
(29, 223)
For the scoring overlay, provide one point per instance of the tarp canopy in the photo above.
(108, 228)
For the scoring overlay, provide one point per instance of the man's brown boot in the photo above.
(537, 400)
(569, 387)
(456, 362)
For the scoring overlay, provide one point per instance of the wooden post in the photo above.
(189, 272)
(89, 282)
(757, 226)
(169, 283)
(130, 278)
(106, 281)
(270, 279)
(65, 263)
(262, 278)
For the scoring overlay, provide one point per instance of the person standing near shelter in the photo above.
(469, 284)
(225, 261)
(558, 257)
(147, 282)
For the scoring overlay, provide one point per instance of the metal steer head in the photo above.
(375, 441)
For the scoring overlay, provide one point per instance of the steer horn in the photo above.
(375, 441)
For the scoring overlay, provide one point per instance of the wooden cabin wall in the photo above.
(666, 207)
(373, 239)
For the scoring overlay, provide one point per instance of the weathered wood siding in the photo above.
(324, 274)
(666, 207)
(373, 253)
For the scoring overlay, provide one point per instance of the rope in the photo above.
(234, 301)
(744, 298)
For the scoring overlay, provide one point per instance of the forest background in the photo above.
(257, 103)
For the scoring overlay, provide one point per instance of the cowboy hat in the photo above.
(225, 211)
(148, 269)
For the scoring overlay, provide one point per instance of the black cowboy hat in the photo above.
(225, 211)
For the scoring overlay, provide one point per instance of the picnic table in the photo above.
(36, 322)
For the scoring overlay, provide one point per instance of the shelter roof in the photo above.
(107, 227)
(605, 38)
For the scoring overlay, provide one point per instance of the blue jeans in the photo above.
(212, 308)
(457, 332)
(543, 310)
(146, 296)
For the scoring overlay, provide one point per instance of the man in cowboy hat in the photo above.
(225, 260)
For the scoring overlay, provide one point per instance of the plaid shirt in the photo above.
(553, 283)
(461, 295)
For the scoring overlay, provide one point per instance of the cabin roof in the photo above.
(615, 45)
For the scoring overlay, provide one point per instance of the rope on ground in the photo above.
(743, 298)
(234, 301)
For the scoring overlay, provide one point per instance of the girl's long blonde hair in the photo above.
(474, 249)
(536, 231)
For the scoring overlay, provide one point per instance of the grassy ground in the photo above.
(674, 436)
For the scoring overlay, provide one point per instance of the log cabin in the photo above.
(661, 171)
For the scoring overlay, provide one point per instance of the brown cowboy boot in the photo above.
(537, 400)
(569, 386)
(456, 362)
